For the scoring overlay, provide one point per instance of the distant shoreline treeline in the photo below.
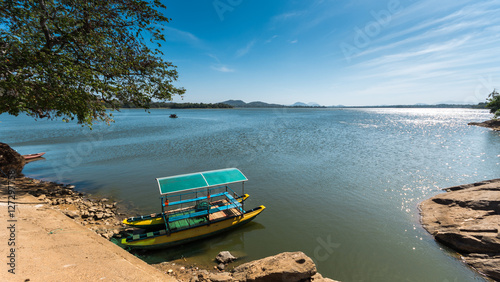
(157, 105)
(259, 104)
(223, 105)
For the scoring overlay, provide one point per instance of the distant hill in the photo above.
(304, 105)
(256, 104)
(259, 104)
(312, 104)
(235, 103)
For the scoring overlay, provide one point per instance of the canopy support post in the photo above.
(209, 205)
(164, 205)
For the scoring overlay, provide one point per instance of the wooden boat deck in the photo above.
(181, 213)
(194, 221)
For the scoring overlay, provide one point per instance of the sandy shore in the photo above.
(43, 244)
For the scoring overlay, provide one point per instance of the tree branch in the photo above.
(43, 25)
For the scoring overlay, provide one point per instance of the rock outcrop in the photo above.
(11, 162)
(493, 124)
(289, 267)
(467, 219)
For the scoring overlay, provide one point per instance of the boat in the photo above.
(194, 206)
(33, 156)
(173, 116)
(155, 221)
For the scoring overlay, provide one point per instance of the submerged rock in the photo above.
(225, 257)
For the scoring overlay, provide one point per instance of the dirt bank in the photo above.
(43, 244)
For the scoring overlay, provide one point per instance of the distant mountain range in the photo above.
(311, 104)
(259, 104)
(256, 104)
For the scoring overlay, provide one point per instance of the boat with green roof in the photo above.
(194, 206)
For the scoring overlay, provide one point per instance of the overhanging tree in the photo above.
(494, 103)
(73, 58)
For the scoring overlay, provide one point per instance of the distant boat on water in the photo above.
(33, 156)
(173, 116)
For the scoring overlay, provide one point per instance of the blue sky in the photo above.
(330, 52)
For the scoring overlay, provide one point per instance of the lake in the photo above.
(341, 185)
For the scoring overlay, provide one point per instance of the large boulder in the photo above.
(466, 219)
(11, 162)
(289, 266)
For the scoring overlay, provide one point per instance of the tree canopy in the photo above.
(494, 103)
(72, 58)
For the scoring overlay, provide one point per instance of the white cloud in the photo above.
(403, 33)
(214, 57)
(243, 51)
(271, 39)
(222, 68)
(286, 16)
(174, 34)
(437, 59)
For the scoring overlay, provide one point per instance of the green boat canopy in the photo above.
(199, 180)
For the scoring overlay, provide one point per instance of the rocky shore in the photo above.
(467, 219)
(58, 211)
(98, 215)
(493, 124)
(288, 266)
(102, 217)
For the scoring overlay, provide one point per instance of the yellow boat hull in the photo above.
(191, 234)
(157, 222)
